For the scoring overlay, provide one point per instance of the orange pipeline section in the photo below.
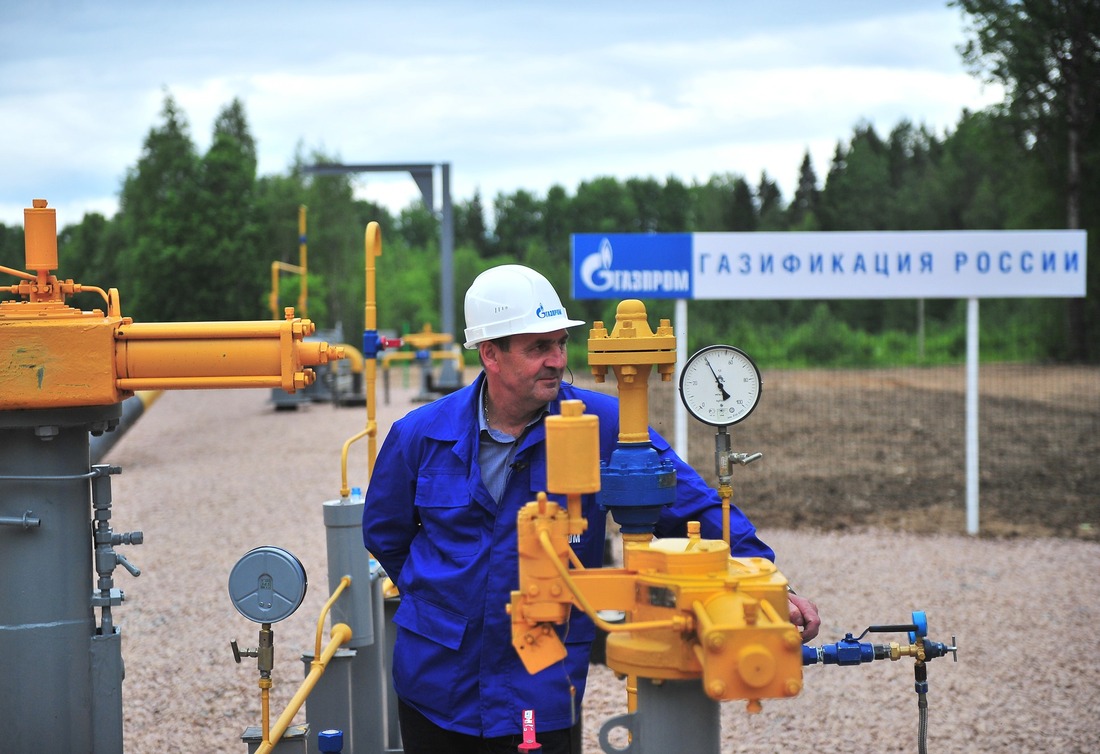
(60, 356)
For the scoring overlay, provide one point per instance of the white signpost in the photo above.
(840, 265)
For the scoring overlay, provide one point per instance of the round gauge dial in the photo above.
(267, 584)
(720, 385)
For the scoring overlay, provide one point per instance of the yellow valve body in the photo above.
(573, 450)
(427, 338)
(57, 357)
(744, 645)
(632, 349)
(543, 597)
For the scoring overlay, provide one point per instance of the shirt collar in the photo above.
(482, 414)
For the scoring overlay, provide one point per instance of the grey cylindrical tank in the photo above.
(46, 621)
(347, 556)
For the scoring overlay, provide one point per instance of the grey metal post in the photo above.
(355, 693)
(447, 253)
(61, 681)
(671, 716)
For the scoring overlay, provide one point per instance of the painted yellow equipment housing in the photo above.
(692, 611)
(59, 356)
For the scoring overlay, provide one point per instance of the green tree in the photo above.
(771, 204)
(517, 221)
(724, 203)
(156, 215)
(470, 229)
(675, 209)
(803, 210)
(228, 271)
(1047, 55)
(88, 253)
(603, 205)
(645, 193)
(857, 188)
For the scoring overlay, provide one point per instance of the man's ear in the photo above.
(490, 355)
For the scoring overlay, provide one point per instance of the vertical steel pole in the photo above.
(446, 253)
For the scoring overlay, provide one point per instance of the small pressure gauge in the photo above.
(720, 385)
(267, 584)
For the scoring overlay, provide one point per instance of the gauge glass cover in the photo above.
(720, 385)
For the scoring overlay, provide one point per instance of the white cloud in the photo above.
(513, 96)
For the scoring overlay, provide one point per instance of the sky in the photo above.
(513, 95)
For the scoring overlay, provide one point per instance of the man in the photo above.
(440, 517)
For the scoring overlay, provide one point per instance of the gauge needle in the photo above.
(717, 380)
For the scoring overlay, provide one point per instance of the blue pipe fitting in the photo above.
(330, 741)
(847, 651)
(635, 484)
(372, 344)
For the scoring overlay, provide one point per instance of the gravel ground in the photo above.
(209, 475)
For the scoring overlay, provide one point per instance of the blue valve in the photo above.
(847, 651)
(851, 651)
(330, 741)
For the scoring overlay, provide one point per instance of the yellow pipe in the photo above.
(202, 383)
(344, 489)
(725, 492)
(341, 633)
(372, 247)
(372, 243)
(18, 274)
(344, 582)
(302, 259)
(265, 707)
(678, 623)
(273, 297)
(193, 355)
(260, 328)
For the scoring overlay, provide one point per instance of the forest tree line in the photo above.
(196, 234)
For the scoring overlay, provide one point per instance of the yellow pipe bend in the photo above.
(341, 633)
(345, 581)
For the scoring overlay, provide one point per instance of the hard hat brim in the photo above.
(503, 329)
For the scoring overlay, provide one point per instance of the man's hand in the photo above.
(805, 616)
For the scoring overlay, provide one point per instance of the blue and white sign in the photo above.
(632, 265)
(866, 265)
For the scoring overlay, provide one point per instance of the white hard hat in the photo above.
(510, 300)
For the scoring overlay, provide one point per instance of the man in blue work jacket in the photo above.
(440, 517)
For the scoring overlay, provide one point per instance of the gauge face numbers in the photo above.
(720, 385)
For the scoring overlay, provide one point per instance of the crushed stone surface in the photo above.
(209, 475)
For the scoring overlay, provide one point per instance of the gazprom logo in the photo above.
(596, 273)
(543, 313)
(596, 269)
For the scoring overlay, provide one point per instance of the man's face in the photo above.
(529, 373)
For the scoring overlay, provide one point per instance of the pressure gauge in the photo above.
(720, 385)
(267, 584)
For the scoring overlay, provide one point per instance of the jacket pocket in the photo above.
(431, 621)
(449, 518)
(428, 668)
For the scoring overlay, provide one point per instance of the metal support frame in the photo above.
(424, 175)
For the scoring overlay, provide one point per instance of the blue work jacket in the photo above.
(451, 550)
